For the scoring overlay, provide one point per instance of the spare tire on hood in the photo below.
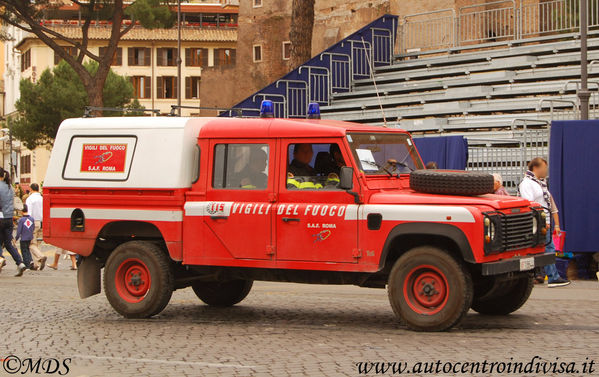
(451, 182)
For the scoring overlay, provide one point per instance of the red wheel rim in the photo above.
(132, 280)
(426, 290)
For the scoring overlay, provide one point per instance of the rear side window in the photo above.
(240, 166)
(99, 158)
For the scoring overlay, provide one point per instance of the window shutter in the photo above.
(147, 57)
(56, 58)
(175, 86)
(159, 86)
(188, 87)
(130, 56)
(119, 56)
(233, 56)
(187, 57)
(159, 57)
(147, 87)
(204, 54)
(217, 57)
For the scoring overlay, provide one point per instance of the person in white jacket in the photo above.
(534, 188)
(35, 204)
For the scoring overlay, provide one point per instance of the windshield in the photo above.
(379, 153)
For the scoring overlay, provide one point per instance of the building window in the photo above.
(286, 50)
(71, 50)
(257, 3)
(224, 56)
(142, 86)
(192, 87)
(117, 59)
(167, 86)
(196, 57)
(257, 53)
(240, 166)
(139, 56)
(167, 57)
(26, 60)
(26, 164)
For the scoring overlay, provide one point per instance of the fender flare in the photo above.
(433, 229)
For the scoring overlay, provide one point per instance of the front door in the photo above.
(315, 221)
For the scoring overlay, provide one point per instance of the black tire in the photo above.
(138, 279)
(446, 276)
(507, 300)
(448, 182)
(222, 293)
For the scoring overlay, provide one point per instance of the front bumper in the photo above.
(517, 264)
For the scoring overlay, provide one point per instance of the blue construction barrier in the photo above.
(449, 152)
(574, 181)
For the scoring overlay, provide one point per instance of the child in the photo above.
(25, 230)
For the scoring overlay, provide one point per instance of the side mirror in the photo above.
(346, 178)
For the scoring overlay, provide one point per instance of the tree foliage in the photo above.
(28, 16)
(59, 94)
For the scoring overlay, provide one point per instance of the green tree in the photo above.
(27, 15)
(59, 94)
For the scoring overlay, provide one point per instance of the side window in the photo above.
(314, 166)
(240, 166)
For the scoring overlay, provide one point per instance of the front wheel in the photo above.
(138, 279)
(507, 299)
(429, 290)
(222, 293)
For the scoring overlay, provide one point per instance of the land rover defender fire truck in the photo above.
(165, 203)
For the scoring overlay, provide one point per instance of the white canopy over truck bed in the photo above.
(144, 152)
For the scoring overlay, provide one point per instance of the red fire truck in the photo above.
(164, 203)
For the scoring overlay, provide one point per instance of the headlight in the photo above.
(535, 225)
(491, 231)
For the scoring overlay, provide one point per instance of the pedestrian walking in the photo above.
(534, 188)
(35, 203)
(25, 232)
(6, 224)
(66, 253)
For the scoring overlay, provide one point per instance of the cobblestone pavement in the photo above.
(279, 330)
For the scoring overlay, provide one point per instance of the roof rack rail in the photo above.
(237, 111)
(89, 109)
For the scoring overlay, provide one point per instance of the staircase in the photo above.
(501, 95)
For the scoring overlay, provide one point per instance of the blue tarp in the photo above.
(449, 152)
(574, 181)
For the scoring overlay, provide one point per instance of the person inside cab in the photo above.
(300, 165)
(329, 162)
(255, 178)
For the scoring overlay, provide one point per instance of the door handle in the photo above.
(219, 217)
(291, 219)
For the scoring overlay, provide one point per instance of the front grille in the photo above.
(516, 230)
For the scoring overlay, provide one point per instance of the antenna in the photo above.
(376, 89)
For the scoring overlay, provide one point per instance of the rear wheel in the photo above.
(506, 299)
(222, 293)
(138, 279)
(429, 290)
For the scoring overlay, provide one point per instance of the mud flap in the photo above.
(89, 276)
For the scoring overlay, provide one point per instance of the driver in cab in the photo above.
(300, 165)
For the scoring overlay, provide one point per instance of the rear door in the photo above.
(236, 215)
